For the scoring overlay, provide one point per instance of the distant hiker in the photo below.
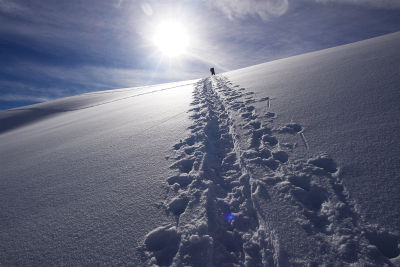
(212, 71)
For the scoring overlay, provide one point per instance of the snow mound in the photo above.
(163, 242)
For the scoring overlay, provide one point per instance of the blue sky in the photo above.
(51, 49)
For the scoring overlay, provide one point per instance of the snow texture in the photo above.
(82, 186)
(288, 163)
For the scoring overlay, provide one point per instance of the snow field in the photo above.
(239, 199)
(81, 187)
(289, 163)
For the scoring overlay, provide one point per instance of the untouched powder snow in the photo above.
(288, 163)
(81, 185)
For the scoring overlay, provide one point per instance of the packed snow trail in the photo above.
(239, 199)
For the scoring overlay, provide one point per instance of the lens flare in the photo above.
(230, 217)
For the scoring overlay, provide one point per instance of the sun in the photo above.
(171, 38)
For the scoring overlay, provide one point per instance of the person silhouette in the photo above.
(212, 71)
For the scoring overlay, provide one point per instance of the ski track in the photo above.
(240, 200)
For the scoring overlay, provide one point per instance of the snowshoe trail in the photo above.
(240, 200)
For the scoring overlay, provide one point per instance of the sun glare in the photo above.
(171, 38)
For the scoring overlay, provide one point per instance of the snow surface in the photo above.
(288, 163)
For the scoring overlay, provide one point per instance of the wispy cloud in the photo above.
(8, 6)
(267, 9)
(101, 77)
(387, 4)
(17, 97)
(61, 81)
(261, 8)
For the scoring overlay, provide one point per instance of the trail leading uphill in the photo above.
(240, 199)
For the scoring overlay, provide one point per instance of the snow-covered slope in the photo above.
(80, 184)
(291, 162)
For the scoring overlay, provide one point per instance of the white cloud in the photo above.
(242, 8)
(387, 4)
(266, 9)
(18, 97)
(8, 6)
(82, 79)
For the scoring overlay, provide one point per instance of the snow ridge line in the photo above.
(97, 104)
(237, 189)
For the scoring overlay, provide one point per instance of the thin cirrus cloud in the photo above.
(267, 9)
(239, 9)
(9, 6)
(18, 97)
(387, 4)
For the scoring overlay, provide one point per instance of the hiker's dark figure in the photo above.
(212, 71)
